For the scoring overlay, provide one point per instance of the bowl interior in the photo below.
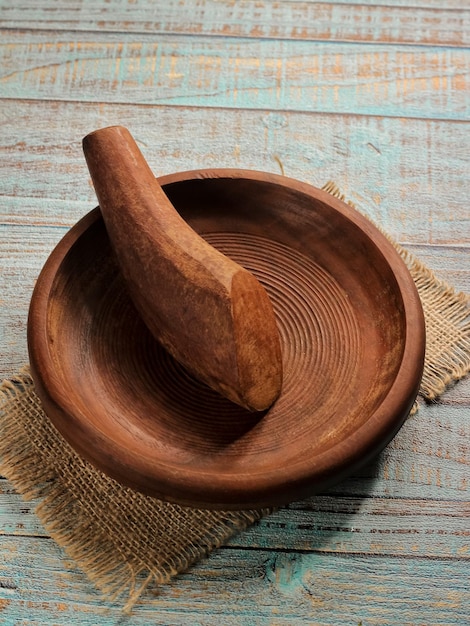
(139, 415)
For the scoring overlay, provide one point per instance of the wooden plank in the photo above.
(17, 517)
(459, 395)
(276, 588)
(297, 19)
(428, 459)
(22, 254)
(367, 526)
(410, 176)
(456, 5)
(448, 262)
(390, 81)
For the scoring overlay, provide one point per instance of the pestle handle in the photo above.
(210, 313)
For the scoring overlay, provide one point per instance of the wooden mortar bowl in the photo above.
(352, 334)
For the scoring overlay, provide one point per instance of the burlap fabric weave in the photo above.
(125, 541)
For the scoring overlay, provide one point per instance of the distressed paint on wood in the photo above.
(390, 81)
(367, 526)
(252, 18)
(244, 587)
(360, 553)
(391, 168)
(410, 4)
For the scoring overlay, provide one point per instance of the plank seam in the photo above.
(150, 105)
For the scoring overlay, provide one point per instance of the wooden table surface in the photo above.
(372, 94)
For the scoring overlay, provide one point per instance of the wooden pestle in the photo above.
(210, 313)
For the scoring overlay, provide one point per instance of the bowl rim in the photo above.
(240, 489)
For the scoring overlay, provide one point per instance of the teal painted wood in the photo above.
(17, 516)
(252, 18)
(390, 544)
(392, 81)
(411, 176)
(446, 261)
(414, 531)
(411, 4)
(236, 587)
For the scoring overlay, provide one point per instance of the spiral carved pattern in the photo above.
(321, 354)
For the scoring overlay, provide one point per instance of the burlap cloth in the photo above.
(125, 541)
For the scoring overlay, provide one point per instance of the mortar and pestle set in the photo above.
(222, 338)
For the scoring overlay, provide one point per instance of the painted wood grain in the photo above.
(272, 74)
(459, 395)
(242, 587)
(410, 4)
(410, 176)
(419, 528)
(370, 93)
(446, 260)
(17, 517)
(252, 18)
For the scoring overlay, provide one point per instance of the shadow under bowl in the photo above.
(351, 328)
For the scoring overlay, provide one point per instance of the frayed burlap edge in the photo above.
(76, 500)
(122, 540)
(447, 318)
